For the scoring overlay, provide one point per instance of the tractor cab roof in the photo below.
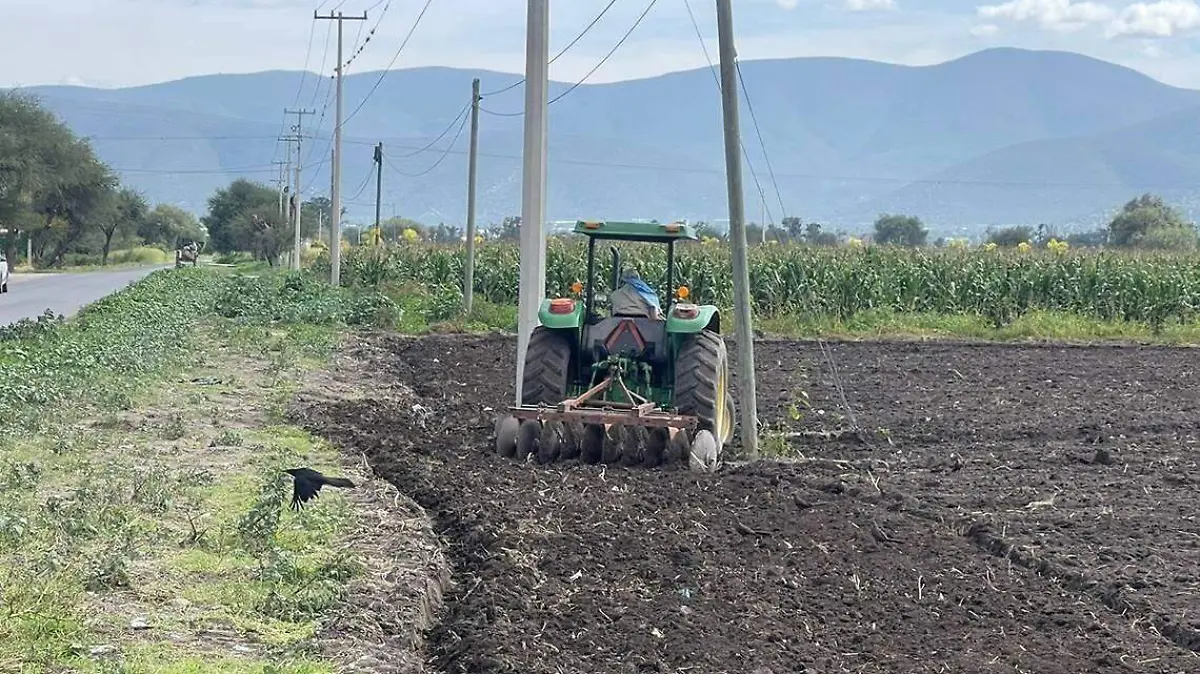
(650, 231)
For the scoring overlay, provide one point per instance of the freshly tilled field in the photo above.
(1002, 509)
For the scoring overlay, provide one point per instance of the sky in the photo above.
(115, 43)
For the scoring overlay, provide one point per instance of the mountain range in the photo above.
(998, 137)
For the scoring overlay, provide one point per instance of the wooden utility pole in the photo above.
(335, 226)
(737, 230)
(472, 166)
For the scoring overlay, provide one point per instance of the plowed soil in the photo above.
(998, 509)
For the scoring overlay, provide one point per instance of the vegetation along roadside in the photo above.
(143, 509)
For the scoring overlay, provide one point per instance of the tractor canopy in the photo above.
(648, 231)
(679, 315)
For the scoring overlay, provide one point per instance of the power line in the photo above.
(717, 81)
(312, 31)
(591, 72)
(762, 143)
(383, 74)
(359, 48)
(610, 52)
(461, 115)
(445, 153)
(261, 168)
(564, 50)
(324, 58)
(252, 168)
(362, 187)
(370, 33)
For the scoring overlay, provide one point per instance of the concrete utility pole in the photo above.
(378, 184)
(335, 227)
(332, 216)
(472, 165)
(533, 182)
(737, 230)
(282, 179)
(298, 128)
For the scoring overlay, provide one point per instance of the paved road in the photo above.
(30, 295)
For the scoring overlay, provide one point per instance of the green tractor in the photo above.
(610, 380)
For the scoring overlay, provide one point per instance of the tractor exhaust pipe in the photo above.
(616, 268)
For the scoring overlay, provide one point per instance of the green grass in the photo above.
(1035, 326)
(142, 471)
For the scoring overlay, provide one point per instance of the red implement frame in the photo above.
(584, 409)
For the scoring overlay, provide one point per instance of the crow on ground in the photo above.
(306, 482)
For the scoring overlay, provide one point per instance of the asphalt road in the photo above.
(30, 295)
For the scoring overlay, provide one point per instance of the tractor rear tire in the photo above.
(547, 377)
(701, 370)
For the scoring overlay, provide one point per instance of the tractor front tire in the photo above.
(547, 377)
(702, 384)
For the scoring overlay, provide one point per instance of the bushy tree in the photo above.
(1148, 222)
(900, 230)
(229, 223)
(1010, 237)
(56, 193)
(170, 226)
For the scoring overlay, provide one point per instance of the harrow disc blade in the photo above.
(506, 435)
(656, 447)
(551, 442)
(591, 446)
(679, 448)
(633, 446)
(571, 441)
(614, 441)
(704, 452)
(527, 438)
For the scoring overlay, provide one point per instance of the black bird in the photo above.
(306, 482)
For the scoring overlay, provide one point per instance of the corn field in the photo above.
(838, 283)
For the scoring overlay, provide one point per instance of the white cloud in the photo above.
(985, 29)
(786, 4)
(866, 5)
(1165, 18)
(1056, 15)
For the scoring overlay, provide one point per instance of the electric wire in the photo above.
(762, 143)
(562, 51)
(395, 57)
(717, 81)
(442, 158)
(591, 72)
(370, 33)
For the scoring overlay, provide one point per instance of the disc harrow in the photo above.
(594, 431)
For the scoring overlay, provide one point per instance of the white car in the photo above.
(3, 274)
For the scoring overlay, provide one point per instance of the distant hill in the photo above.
(997, 137)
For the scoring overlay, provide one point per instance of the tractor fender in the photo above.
(709, 318)
(572, 320)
